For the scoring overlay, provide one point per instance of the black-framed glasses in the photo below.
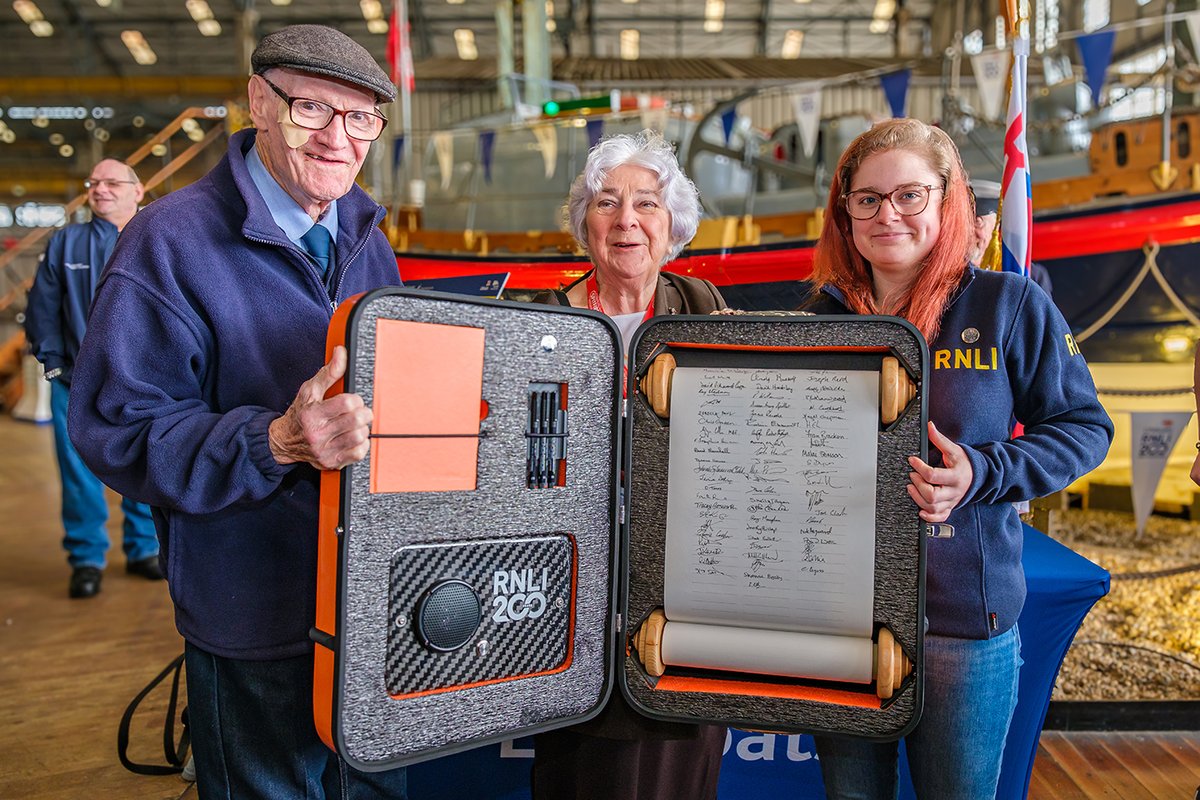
(908, 201)
(313, 115)
(95, 183)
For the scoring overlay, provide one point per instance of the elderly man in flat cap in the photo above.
(200, 389)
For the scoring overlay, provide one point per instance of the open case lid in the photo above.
(775, 561)
(468, 567)
(465, 578)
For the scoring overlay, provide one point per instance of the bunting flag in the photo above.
(398, 152)
(895, 89)
(443, 147)
(1095, 50)
(595, 129)
(990, 70)
(727, 120)
(487, 142)
(399, 54)
(1154, 436)
(655, 119)
(547, 139)
(1193, 26)
(807, 108)
(1016, 193)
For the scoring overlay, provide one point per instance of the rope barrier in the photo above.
(1154, 651)
(1161, 573)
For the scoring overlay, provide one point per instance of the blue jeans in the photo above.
(956, 749)
(253, 735)
(84, 509)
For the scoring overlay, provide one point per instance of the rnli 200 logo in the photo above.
(518, 594)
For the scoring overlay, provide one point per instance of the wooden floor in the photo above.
(68, 668)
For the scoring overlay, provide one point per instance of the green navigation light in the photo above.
(550, 108)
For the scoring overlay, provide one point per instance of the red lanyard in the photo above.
(593, 297)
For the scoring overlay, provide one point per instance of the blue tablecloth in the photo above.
(1063, 586)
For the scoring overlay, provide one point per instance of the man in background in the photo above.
(202, 390)
(55, 319)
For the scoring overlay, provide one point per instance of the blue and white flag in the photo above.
(1016, 192)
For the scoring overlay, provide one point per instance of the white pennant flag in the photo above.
(1193, 23)
(807, 107)
(655, 119)
(547, 139)
(1154, 437)
(443, 146)
(991, 69)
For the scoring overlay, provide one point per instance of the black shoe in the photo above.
(146, 567)
(85, 582)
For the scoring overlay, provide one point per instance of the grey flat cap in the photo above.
(324, 51)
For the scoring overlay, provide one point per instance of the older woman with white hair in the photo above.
(633, 210)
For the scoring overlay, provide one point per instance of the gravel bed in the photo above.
(1142, 640)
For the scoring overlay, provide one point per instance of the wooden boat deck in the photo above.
(69, 667)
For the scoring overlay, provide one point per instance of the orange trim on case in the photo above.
(327, 551)
(764, 348)
(840, 697)
(566, 664)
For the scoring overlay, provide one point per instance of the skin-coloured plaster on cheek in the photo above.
(295, 136)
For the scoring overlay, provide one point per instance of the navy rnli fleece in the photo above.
(1004, 351)
(205, 323)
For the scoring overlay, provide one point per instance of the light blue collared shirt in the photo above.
(287, 213)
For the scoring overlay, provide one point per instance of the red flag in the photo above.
(399, 55)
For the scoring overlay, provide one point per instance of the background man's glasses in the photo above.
(907, 200)
(96, 183)
(313, 115)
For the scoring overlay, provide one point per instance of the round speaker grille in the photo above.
(448, 615)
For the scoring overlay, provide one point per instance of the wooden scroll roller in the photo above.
(656, 384)
(659, 642)
(896, 388)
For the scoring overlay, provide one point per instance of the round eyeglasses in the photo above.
(313, 115)
(908, 201)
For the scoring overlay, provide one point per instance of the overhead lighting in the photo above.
(139, 48)
(281, 2)
(464, 40)
(551, 25)
(629, 40)
(714, 16)
(66, 151)
(378, 26)
(28, 11)
(31, 15)
(455, 2)
(203, 16)
(803, 2)
(371, 9)
(792, 41)
(629, 2)
(199, 10)
(104, 3)
(881, 17)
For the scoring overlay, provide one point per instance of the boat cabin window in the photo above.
(1121, 144)
(1183, 139)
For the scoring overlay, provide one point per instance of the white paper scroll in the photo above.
(770, 513)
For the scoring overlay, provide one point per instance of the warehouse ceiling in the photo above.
(118, 69)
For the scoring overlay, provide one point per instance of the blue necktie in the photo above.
(319, 245)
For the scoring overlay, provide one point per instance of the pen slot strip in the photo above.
(546, 436)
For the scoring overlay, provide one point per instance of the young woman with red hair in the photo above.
(895, 241)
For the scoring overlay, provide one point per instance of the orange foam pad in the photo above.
(669, 683)
(428, 385)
